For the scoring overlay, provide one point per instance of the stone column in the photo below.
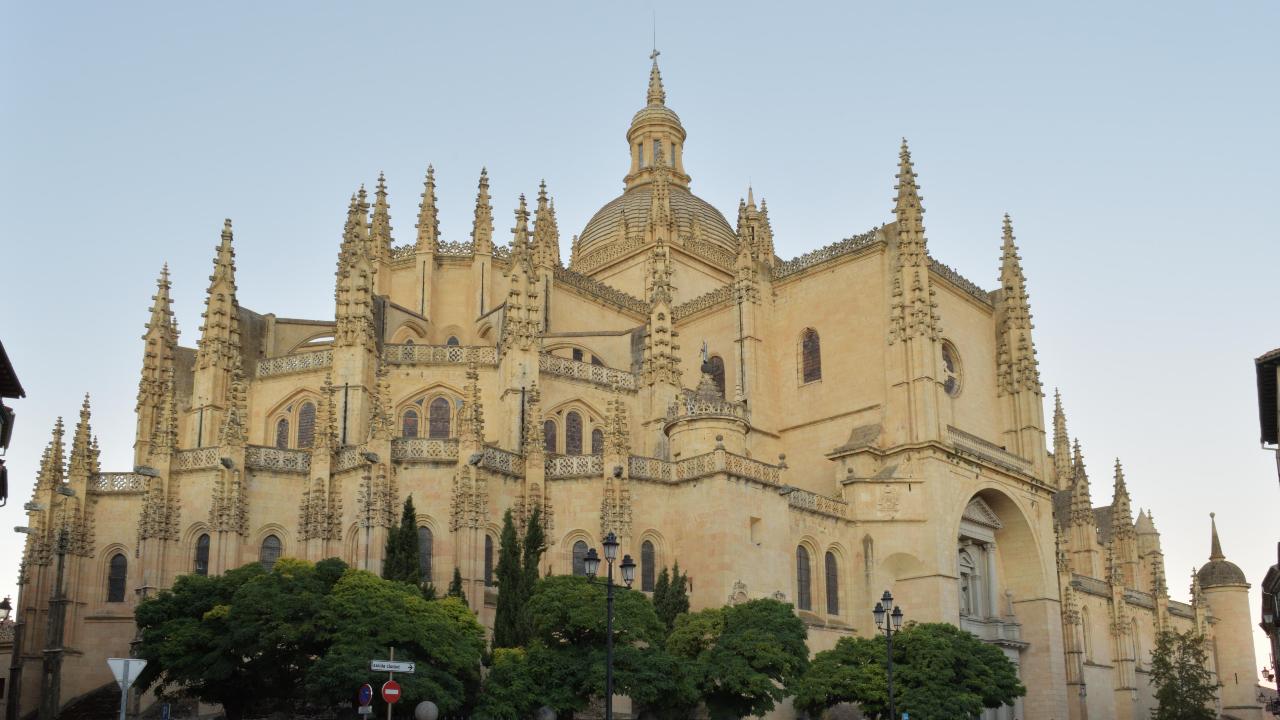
(993, 588)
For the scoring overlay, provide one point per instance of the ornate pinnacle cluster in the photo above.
(531, 434)
(1121, 510)
(1017, 368)
(160, 343)
(1061, 444)
(81, 463)
(754, 229)
(326, 433)
(164, 435)
(482, 225)
(546, 235)
(913, 309)
(380, 227)
(522, 319)
(52, 471)
(354, 290)
(661, 360)
(220, 333)
(657, 95)
(660, 215)
(428, 217)
(1081, 502)
(471, 416)
(381, 422)
(233, 431)
(617, 437)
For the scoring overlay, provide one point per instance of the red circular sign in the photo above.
(391, 691)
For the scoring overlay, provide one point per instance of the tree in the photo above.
(1184, 687)
(939, 671)
(455, 587)
(743, 658)
(534, 545)
(401, 559)
(661, 588)
(510, 575)
(675, 600)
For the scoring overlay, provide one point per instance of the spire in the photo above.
(546, 236)
(1061, 443)
(913, 307)
(52, 472)
(1215, 547)
(220, 333)
(482, 225)
(909, 212)
(520, 235)
(657, 95)
(380, 228)
(80, 464)
(1017, 369)
(160, 344)
(161, 305)
(428, 219)
(1121, 510)
(1081, 503)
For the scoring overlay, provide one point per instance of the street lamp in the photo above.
(891, 626)
(591, 564)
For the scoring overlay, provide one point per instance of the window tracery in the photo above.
(270, 552)
(951, 370)
(573, 433)
(282, 434)
(810, 356)
(409, 424)
(116, 576)
(307, 425)
(804, 587)
(438, 419)
(202, 554)
(597, 441)
(833, 584)
(549, 436)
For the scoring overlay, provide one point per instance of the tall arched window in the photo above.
(646, 566)
(202, 554)
(282, 433)
(549, 436)
(597, 441)
(573, 434)
(580, 558)
(307, 425)
(119, 570)
(488, 561)
(810, 356)
(270, 552)
(717, 372)
(968, 584)
(409, 424)
(438, 425)
(425, 542)
(453, 340)
(833, 584)
(804, 589)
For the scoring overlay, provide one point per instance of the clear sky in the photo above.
(1134, 144)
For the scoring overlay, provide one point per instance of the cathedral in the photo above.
(816, 430)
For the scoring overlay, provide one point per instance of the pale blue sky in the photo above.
(1134, 144)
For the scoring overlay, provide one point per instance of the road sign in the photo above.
(364, 710)
(391, 666)
(126, 670)
(391, 691)
(365, 695)
(164, 712)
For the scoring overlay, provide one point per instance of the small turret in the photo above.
(1226, 593)
(656, 131)
(380, 227)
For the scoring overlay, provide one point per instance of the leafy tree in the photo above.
(742, 658)
(507, 616)
(533, 547)
(455, 587)
(675, 600)
(1184, 688)
(510, 690)
(661, 588)
(401, 559)
(939, 671)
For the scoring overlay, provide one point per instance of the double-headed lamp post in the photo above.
(592, 565)
(890, 625)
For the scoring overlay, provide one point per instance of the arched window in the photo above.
(488, 561)
(438, 424)
(597, 441)
(119, 570)
(717, 372)
(833, 584)
(307, 425)
(573, 434)
(409, 424)
(577, 354)
(646, 566)
(810, 356)
(804, 589)
(282, 433)
(425, 542)
(202, 554)
(580, 558)
(968, 585)
(453, 340)
(270, 552)
(549, 436)
(951, 376)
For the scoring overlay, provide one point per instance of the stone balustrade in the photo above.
(196, 459)
(595, 374)
(413, 354)
(117, 483)
(647, 468)
(986, 450)
(691, 405)
(502, 461)
(821, 504)
(569, 466)
(295, 362)
(257, 457)
(441, 450)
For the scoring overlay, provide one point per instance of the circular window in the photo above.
(951, 373)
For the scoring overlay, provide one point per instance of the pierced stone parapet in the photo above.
(719, 461)
(820, 504)
(347, 457)
(197, 459)
(692, 406)
(578, 370)
(403, 252)
(440, 354)
(960, 281)
(825, 253)
(444, 450)
(295, 362)
(604, 293)
(459, 248)
(117, 483)
(502, 461)
(722, 295)
(986, 450)
(647, 468)
(569, 466)
(257, 457)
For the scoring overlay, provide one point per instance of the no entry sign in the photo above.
(391, 691)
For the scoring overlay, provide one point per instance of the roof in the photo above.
(1221, 572)
(9, 385)
(1268, 410)
(602, 229)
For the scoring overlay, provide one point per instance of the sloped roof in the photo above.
(9, 385)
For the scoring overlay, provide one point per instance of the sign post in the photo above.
(391, 688)
(125, 670)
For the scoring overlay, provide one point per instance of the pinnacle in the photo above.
(428, 218)
(657, 95)
(1215, 547)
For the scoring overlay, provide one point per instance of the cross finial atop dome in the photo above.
(657, 95)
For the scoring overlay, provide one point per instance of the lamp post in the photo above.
(890, 626)
(592, 565)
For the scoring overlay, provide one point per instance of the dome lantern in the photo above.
(655, 132)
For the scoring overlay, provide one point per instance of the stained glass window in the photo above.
(833, 584)
(270, 552)
(409, 424)
(453, 340)
(811, 356)
(573, 434)
(580, 558)
(425, 543)
(549, 436)
(488, 561)
(202, 554)
(116, 578)
(597, 442)
(646, 566)
(307, 425)
(804, 590)
(282, 433)
(438, 425)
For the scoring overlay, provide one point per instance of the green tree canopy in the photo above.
(673, 601)
(742, 658)
(940, 671)
(507, 617)
(401, 559)
(1184, 687)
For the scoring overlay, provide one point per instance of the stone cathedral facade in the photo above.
(817, 430)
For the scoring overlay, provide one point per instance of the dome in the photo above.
(693, 217)
(1221, 572)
